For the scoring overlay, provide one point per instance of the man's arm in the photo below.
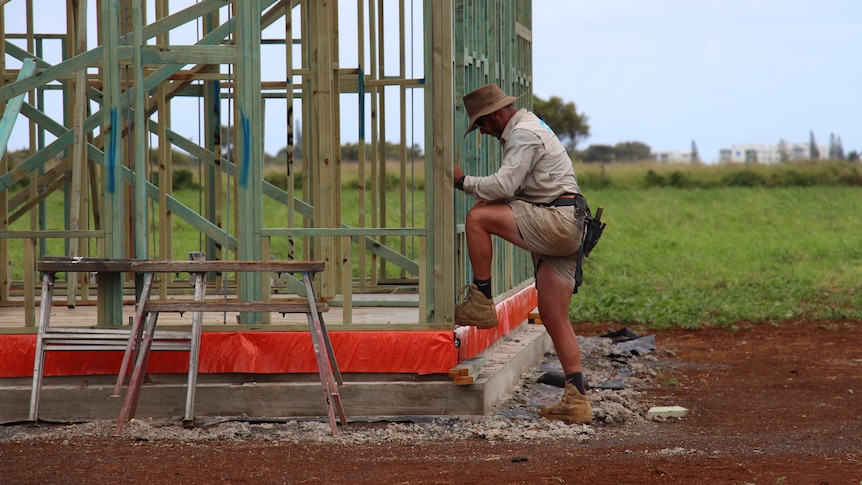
(522, 150)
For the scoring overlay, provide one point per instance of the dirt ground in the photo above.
(769, 404)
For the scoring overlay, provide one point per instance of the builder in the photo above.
(534, 202)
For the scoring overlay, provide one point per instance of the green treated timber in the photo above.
(13, 107)
(469, 367)
(90, 124)
(21, 54)
(377, 303)
(140, 132)
(228, 266)
(371, 244)
(92, 57)
(49, 182)
(250, 151)
(110, 288)
(192, 54)
(385, 252)
(50, 234)
(390, 255)
(344, 231)
(297, 305)
(64, 140)
(97, 155)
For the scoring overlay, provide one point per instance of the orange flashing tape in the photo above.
(511, 313)
(420, 352)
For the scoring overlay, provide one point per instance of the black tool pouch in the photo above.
(593, 228)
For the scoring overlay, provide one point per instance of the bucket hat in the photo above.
(483, 101)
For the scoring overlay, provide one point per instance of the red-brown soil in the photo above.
(770, 404)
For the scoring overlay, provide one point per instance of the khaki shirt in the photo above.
(535, 166)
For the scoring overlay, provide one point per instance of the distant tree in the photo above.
(853, 156)
(570, 126)
(836, 151)
(297, 147)
(631, 151)
(833, 147)
(813, 151)
(695, 157)
(597, 153)
(297, 143)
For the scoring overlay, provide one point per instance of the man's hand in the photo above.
(457, 173)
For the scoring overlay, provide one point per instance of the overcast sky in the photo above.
(719, 72)
(662, 72)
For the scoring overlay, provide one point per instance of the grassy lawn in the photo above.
(707, 254)
(684, 258)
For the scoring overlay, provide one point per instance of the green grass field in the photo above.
(678, 257)
(687, 258)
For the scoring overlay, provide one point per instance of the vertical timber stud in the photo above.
(322, 39)
(439, 195)
(77, 11)
(5, 277)
(111, 285)
(163, 107)
(213, 143)
(141, 159)
(30, 244)
(249, 152)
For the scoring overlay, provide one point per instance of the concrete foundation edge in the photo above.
(73, 399)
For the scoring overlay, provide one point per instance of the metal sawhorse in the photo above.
(143, 338)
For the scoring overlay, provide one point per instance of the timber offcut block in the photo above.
(535, 319)
(465, 373)
(467, 367)
(464, 380)
(666, 412)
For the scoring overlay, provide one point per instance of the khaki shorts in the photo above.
(552, 234)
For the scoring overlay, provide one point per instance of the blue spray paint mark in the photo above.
(112, 154)
(245, 164)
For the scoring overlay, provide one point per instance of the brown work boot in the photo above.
(574, 408)
(475, 309)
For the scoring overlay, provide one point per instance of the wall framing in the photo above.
(114, 140)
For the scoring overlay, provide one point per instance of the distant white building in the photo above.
(768, 154)
(673, 156)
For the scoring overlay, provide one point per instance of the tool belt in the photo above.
(566, 200)
(593, 228)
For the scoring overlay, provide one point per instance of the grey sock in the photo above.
(577, 379)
